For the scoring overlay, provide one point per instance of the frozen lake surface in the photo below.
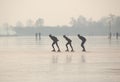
(25, 59)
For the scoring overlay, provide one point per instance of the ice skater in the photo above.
(117, 35)
(83, 41)
(39, 35)
(55, 41)
(36, 34)
(69, 41)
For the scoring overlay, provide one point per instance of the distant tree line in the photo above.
(79, 25)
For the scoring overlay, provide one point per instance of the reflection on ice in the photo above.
(68, 58)
(23, 59)
(54, 59)
(83, 58)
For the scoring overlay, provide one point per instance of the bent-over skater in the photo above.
(68, 43)
(83, 41)
(55, 41)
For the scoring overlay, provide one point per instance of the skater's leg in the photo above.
(67, 47)
(82, 45)
(58, 47)
(53, 46)
(71, 47)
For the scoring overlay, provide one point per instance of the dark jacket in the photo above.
(68, 39)
(82, 38)
(54, 38)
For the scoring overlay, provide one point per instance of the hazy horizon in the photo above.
(55, 12)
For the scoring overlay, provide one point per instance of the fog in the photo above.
(79, 25)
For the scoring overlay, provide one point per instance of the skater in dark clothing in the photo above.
(55, 41)
(83, 41)
(36, 34)
(117, 35)
(68, 43)
(39, 35)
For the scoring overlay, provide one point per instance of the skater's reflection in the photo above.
(68, 58)
(83, 58)
(54, 59)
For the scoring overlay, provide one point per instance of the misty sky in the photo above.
(55, 12)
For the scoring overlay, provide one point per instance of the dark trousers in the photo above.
(69, 43)
(82, 45)
(56, 45)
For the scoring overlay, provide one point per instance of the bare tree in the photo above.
(19, 24)
(111, 16)
(73, 21)
(39, 22)
(29, 23)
